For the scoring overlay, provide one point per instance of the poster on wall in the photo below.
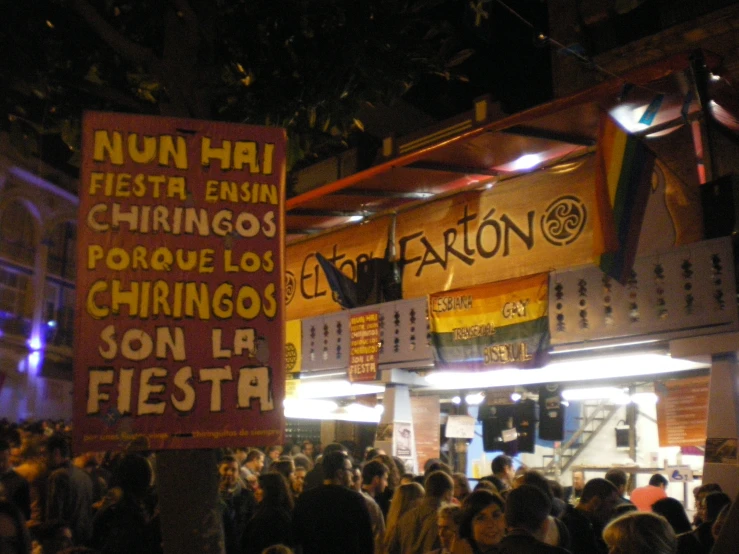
(682, 411)
(179, 339)
(492, 326)
(364, 346)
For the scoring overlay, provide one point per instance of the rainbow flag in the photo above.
(622, 184)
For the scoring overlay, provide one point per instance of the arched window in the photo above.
(17, 234)
(62, 243)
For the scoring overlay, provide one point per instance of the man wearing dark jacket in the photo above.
(332, 518)
(586, 521)
(527, 515)
(13, 487)
(68, 491)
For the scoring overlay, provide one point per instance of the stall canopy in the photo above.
(483, 146)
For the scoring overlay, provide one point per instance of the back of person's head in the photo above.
(714, 502)
(438, 484)
(277, 549)
(59, 442)
(486, 485)
(432, 464)
(597, 487)
(533, 478)
(476, 502)
(301, 460)
(334, 447)
(372, 469)
(133, 475)
(372, 453)
(526, 508)
(253, 454)
(452, 512)
(4, 445)
(276, 490)
(658, 480)
(333, 462)
(640, 533)
(617, 476)
(500, 463)
(672, 510)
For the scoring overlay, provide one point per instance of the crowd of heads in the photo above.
(505, 504)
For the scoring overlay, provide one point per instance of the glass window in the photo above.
(62, 243)
(17, 234)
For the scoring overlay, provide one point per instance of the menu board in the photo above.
(426, 413)
(682, 412)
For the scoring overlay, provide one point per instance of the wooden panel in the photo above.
(682, 412)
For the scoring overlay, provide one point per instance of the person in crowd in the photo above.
(375, 479)
(482, 525)
(557, 533)
(527, 516)
(273, 454)
(393, 482)
(416, 531)
(406, 497)
(374, 482)
(407, 478)
(272, 521)
(278, 549)
(285, 467)
(33, 468)
(14, 537)
(618, 477)
(486, 485)
(372, 453)
(720, 521)
(13, 487)
(699, 494)
(574, 492)
(503, 473)
(254, 463)
(585, 522)
(447, 521)
(302, 461)
(308, 449)
(644, 497)
(90, 463)
(700, 540)
(461, 486)
(238, 503)
(331, 518)
(315, 477)
(69, 490)
(672, 510)
(298, 481)
(124, 523)
(640, 533)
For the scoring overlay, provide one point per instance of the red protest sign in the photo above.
(180, 329)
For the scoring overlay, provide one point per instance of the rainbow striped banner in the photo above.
(622, 184)
(492, 326)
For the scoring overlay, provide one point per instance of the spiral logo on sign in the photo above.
(290, 286)
(564, 220)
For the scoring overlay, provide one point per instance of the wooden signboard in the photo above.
(682, 412)
(426, 412)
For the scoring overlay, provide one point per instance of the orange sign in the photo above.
(365, 346)
(682, 412)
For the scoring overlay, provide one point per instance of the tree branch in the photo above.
(126, 48)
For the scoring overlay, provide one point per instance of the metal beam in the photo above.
(381, 193)
(313, 212)
(449, 168)
(546, 134)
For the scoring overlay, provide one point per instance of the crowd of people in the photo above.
(280, 501)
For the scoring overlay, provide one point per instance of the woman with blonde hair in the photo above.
(405, 498)
(640, 533)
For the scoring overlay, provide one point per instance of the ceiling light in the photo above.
(456, 400)
(602, 367)
(596, 393)
(516, 397)
(527, 161)
(333, 388)
(474, 399)
(355, 218)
